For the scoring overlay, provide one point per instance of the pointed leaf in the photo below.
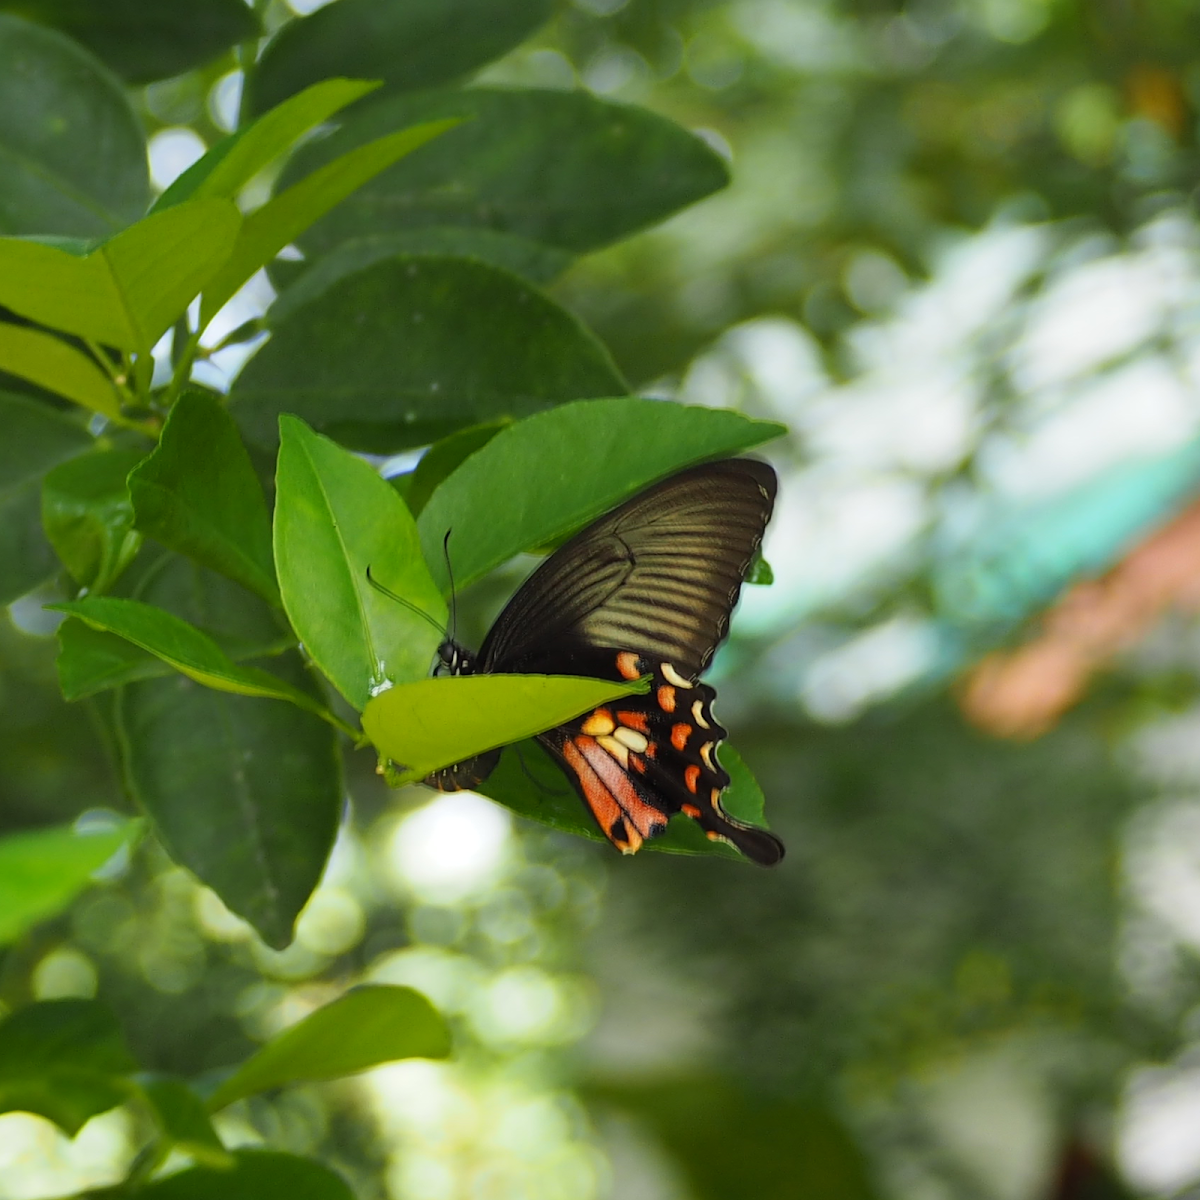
(478, 344)
(43, 870)
(183, 1120)
(64, 1060)
(365, 1027)
(443, 458)
(407, 43)
(134, 287)
(335, 518)
(265, 232)
(432, 723)
(185, 648)
(72, 149)
(530, 485)
(198, 494)
(254, 1175)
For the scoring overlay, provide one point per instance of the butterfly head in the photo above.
(454, 659)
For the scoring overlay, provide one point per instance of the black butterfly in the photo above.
(646, 590)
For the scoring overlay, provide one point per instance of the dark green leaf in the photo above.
(530, 485)
(88, 516)
(434, 722)
(528, 781)
(244, 792)
(143, 40)
(198, 494)
(407, 43)
(766, 1148)
(72, 151)
(335, 518)
(302, 282)
(562, 168)
(255, 1175)
(363, 1028)
(444, 457)
(236, 159)
(183, 1120)
(64, 1060)
(412, 349)
(43, 870)
(35, 438)
(91, 661)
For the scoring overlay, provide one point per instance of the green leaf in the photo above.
(361, 1029)
(49, 362)
(198, 494)
(131, 290)
(64, 1060)
(143, 40)
(478, 344)
(185, 648)
(434, 722)
(335, 518)
(236, 159)
(36, 438)
(559, 167)
(444, 457)
(528, 782)
(72, 150)
(772, 1149)
(43, 870)
(407, 43)
(530, 485)
(183, 1120)
(265, 232)
(246, 794)
(88, 516)
(255, 1175)
(302, 282)
(91, 661)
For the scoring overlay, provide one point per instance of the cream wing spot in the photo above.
(632, 738)
(618, 750)
(673, 676)
(698, 714)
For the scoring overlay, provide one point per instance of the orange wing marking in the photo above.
(666, 699)
(691, 777)
(635, 720)
(679, 735)
(628, 665)
(599, 724)
(624, 816)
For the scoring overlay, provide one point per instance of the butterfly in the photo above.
(647, 589)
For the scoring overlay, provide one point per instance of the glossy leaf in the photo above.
(131, 290)
(407, 43)
(434, 722)
(280, 221)
(528, 781)
(361, 1029)
(236, 159)
(72, 150)
(444, 457)
(143, 40)
(530, 485)
(36, 438)
(51, 363)
(302, 282)
(335, 518)
(559, 167)
(477, 344)
(185, 648)
(64, 1060)
(88, 516)
(254, 1175)
(198, 494)
(183, 1120)
(90, 660)
(43, 870)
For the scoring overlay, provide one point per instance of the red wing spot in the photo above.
(691, 777)
(628, 666)
(666, 698)
(638, 764)
(692, 811)
(652, 750)
(600, 799)
(642, 820)
(635, 720)
(679, 735)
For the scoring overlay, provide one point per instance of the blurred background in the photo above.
(961, 260)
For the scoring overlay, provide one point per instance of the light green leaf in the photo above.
(51, 363)
(434, 722)
(183, 1120)
(365, 1027)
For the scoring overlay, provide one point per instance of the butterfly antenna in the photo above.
(538, 783)
(453, 594)
(379, 587)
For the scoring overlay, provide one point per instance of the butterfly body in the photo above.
(645, 590)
